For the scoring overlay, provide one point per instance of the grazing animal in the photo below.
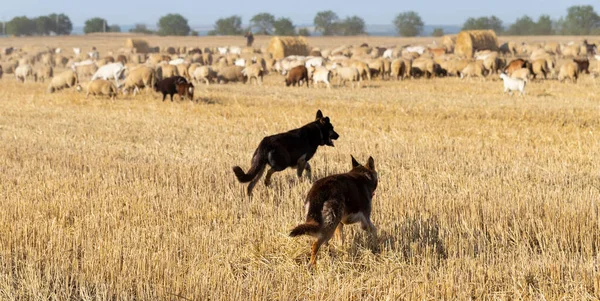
(205, 73)
(231, 74)
(140, 77)
(320, 74)
(350, 74)
(568, 70)
(516, 65)
(172, 85)
(23, 72)
(583, 65)
(291, 149)
(100, 87)
(66, 79)
(523, 74)
(185, 89)
(513, 84)
(110, 71)
(339, 200)
(297, 74)
(43, 73)
(255, 71)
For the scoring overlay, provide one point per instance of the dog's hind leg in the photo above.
(255, 180)
(339, 233)
(270, 173)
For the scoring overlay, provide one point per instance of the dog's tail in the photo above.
(255, 169)
(309, 228)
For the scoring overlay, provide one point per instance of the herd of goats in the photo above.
(175, 70)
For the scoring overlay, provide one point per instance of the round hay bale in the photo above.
(138, 45)
(469, 41)
(280, 47)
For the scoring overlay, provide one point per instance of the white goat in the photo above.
(513, 84)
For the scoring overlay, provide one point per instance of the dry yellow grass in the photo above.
(481, 195)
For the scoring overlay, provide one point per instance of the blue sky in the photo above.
(439, 12)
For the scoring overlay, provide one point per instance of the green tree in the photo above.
(543, 27)
(352, 26)
(141, 28)
(325, 22)
(43, 25)
(408, 24)
(95, 25)
(284, 27)
(20, 26)
(491, 22)
(437, 32)
(62, 24)
(227, 26)
(580, 20)
(304, 32)
(173, 25)
(522, 26)
(114, 28)
(263, 23)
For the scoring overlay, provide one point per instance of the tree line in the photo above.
(580, 20)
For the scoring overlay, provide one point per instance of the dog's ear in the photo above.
(319, 114)
(324, 121)
(371, 163)
(354, 162)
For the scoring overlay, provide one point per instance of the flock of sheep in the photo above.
(125, 71)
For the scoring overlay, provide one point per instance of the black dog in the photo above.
(291, 149)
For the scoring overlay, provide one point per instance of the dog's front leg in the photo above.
(308, 171)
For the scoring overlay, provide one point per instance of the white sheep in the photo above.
(23, 72)
(205, 73)
(513, 84)
(320, 74)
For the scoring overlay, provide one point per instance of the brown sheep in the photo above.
(539, 68)
(516, 65)
(296, 75)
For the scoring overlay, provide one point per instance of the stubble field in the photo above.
(481, 196)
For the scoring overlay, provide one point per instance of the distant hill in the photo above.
(372, 30)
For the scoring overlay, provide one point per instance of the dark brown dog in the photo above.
(290, 149)
(339, 200)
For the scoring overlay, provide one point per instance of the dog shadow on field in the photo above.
(415, 237)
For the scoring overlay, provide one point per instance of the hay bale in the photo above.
(138, 45)
(448, 42)
(280, 47)
(469, 41)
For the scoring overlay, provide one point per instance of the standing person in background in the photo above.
(249, 39)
